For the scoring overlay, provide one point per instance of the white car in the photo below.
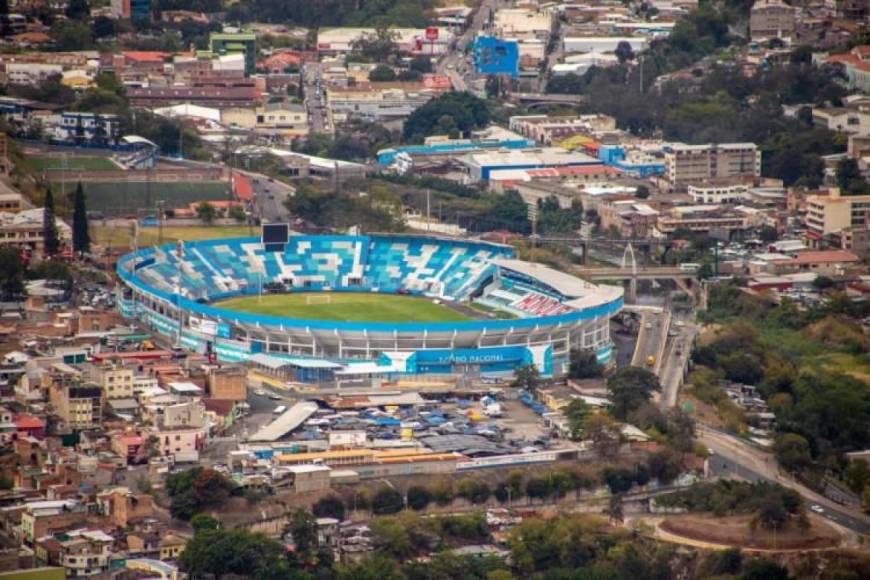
(817, 508)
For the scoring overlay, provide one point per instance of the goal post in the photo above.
(318, 299)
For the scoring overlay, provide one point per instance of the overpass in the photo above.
(545, 99)
(641, 273)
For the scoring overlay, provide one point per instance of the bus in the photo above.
(689, 267)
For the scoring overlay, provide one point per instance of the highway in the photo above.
(270, 196)
(676, 357)
(651, 339)
(732, 456)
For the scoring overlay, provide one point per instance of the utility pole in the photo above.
(428, 212)
(160, 214)
(641, 73)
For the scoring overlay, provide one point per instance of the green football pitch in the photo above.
(345, 306)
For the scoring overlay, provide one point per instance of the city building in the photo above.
(282, 118)
(843, 120)
(238, 43)
(701, 218)
(24, 229)
(549, 130)
(716, 194)
(856, 10)
(77, 127)
(139, 10)
(220, 97)
(771, 19)
(227, 383)
(81, 406)
(39, 518)
(376, 101)
(827, 214)
(689, 164)
(823, 262)
(115, 380)
(478, 166)
(857, 64)
(18, 73)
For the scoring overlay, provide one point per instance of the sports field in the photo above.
(345, 306)
(121, 236)
(73, 164)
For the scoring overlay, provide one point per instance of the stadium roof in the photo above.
(286, 422)
(274, 362)
(563, 283)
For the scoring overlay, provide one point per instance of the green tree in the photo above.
(762, 569)
(387, 501)
(629, 388)
(577, 412)
(78, 10)
(857, 475)
(464, 111)
(378, 47)
(201, 522)
(642, 192)
(473, 490)
(237, 213)
(624, 51)
(792, 451)
(382, 73)
(527, 377)
(375, 567)
(303, 528)
(418, 497)
(584, 365)
(51, 241)
(233, 552)
(421, 64)
(71, 35)
(330, 506)
(603, 432)
(206, 212)
(81, 236)
(614, 508)
(849, 178)
(11, 273)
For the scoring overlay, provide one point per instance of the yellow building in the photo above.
(827, 214)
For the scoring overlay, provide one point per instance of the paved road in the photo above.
(269, 198)
(454, 63)
(651, 339)
(314, 98)
(732, 456)
(675, 359)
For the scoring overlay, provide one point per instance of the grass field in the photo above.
(72, 164)
(122, 237)
(118, 199)
(345, 306)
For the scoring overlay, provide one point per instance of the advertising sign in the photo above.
(431, 33)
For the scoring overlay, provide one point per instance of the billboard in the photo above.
(275, 236)
(494, 56)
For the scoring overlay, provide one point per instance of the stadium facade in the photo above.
(544, 312)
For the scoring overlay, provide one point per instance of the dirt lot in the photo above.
(734, 531)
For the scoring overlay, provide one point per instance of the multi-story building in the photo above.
(827, 214)
(85, 553)
(30, 73)
(376, 101)
(41, 518)
(548, 130)
(139, 10)
(81, 406)
(716, 194)
(701, 218)
(771, 19)
(857, 10)
(24, 229)
(181, 443)
(239, 43)
(220, 97)
(282, 119)
(857, 65)
(115, 380)
(688, 164)
(227, 383)
(76, 127)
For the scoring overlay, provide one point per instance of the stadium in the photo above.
(342, 308)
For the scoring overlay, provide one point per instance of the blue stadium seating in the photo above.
(442, 268)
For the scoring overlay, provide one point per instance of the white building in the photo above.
(602, 43)
(30, 73)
